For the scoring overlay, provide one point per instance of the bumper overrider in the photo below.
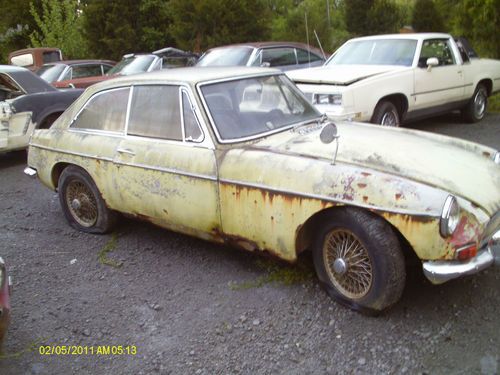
(440, 271)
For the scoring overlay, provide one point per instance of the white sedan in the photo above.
(389, 79)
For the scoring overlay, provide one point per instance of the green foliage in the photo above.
(426, 17)
(356, 16)
(200, 24)
(385, 17)
(60, 26)
(16, 24)
(494, 103)
(478, 20)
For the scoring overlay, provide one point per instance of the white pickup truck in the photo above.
(390, 79)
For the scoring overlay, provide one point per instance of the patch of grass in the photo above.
(109, 247)
(494, 103)
(277, 274)
(32, 347)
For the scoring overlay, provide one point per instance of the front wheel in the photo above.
(82, 203)
(475, 110)
(386, 114)
(359, 261)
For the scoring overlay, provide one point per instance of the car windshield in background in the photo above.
(234, 56)
(132, 65)
(51, 73)
(249, 107)
(376, 52)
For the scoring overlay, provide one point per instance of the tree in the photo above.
(426, 17)
(384, 17)
(16, 24)
(200, 24)
(60, 26)
(478, 20)
(357, 17)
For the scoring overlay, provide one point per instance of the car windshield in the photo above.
(231, 56)
(51, 73)
(376, 52)
(246, 108)
(132, 65)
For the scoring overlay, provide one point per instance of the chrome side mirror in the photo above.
(328, 134)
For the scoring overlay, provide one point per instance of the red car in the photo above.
(66, 73)
(5, 290)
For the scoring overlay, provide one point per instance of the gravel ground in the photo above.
(192, 307)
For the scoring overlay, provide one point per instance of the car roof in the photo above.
(29, 81)
(189, 75)
(77, 62)
(11, 68)
(415, 36)
(271, 45)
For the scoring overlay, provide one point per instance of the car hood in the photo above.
(462, 168)
(340, 74)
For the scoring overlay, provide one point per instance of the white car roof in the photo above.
(415, 36)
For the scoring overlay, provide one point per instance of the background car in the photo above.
(63, 73)
(397, 78)
(132, 63)
(34, 58)
(282, 55)
(5, 291)
(238, 155)
(27, 102)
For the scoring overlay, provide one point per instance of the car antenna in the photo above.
(307, 39)
(320, 46)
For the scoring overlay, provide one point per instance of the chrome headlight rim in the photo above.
(496, 157)
(450, 216)
(327, 99)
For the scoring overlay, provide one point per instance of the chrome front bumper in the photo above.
(440, 271)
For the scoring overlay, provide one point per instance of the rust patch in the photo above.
(398, 196)
(362, 185)
(365, 198)
(487, 154)
(366, 174)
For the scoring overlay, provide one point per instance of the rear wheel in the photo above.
(386, 114)
(475, 110)
(82, 203)
(359, 261)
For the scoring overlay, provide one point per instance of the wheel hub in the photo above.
(340, 266)
(75, 204)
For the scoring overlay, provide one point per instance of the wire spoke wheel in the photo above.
(81, 203)
(389, 119)
(348, 263)
(480, 104)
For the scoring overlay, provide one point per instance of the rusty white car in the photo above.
(239, 156)
(5, 292)
(391, 79)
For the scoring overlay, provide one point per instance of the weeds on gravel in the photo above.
(494, 103)
(109, 247)
(32, 347)
(278, 274)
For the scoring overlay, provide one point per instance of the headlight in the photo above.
(449, 217)
(496, 157)
(5, 111)
(335, 99)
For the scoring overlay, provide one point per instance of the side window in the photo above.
(155, 112)
(104, 111)
(81, 71)
(305, 57)
(105, 69)
(192, 130)
(67, 74)
(439, 48)
(279, 56)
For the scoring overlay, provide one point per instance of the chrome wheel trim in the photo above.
(347, 263)
(389, 119)
(81, 203)
(479, 104)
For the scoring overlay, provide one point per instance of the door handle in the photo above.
(125, 151)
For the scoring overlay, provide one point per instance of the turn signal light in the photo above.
(466, 252)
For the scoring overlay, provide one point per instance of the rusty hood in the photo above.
(462, 168)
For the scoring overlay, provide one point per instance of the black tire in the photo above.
(386, 114)
(475, 110)
(371, 276)
(82, 203)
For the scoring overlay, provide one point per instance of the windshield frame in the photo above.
(291, 126)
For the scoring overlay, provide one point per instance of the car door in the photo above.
(279, 57)
(438, 85)
(165, 168)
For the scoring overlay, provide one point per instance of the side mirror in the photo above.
(328, 133)
(432, 61)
